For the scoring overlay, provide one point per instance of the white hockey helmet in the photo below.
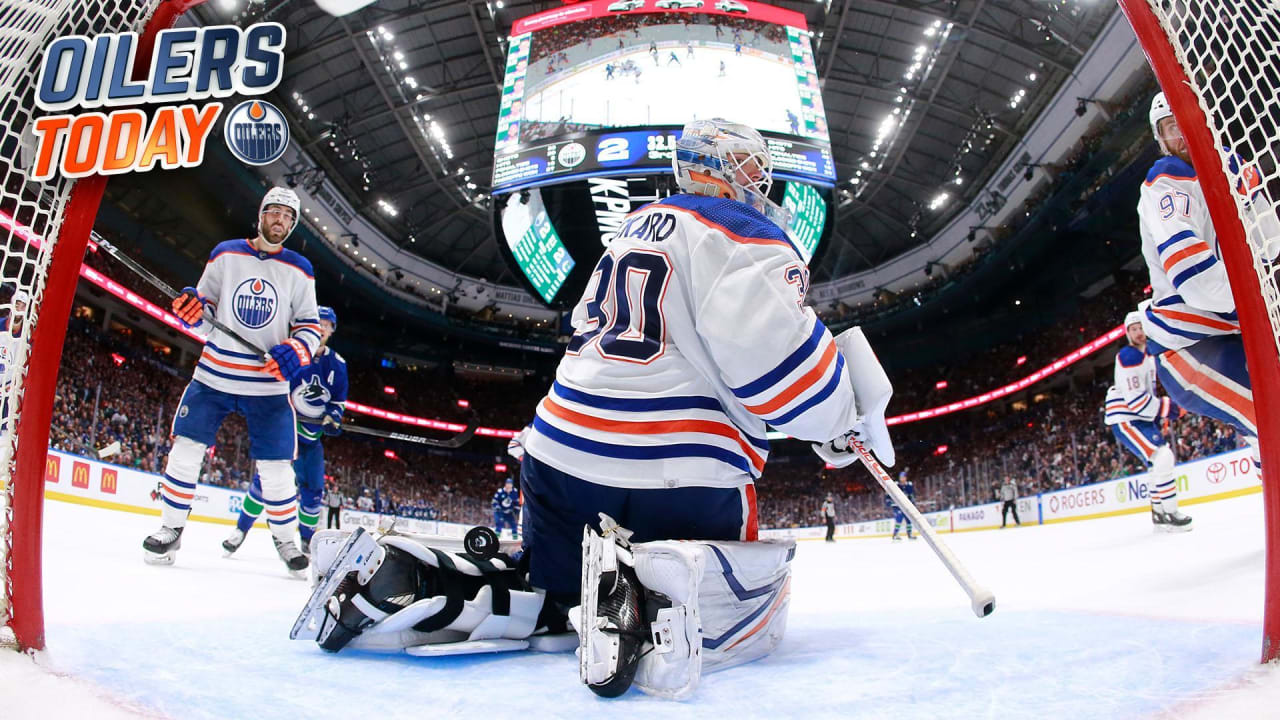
(709, 154)
(282, 196)
(1131, 318)
(1159, 111)
(21, 296)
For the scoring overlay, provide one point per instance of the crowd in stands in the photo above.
(119, 385)
(556, 39)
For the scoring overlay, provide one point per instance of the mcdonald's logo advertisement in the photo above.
(52, 465)
(80, 475)
(110, 480)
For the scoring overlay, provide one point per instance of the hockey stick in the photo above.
(456, 441)
(167, 289)
(982, 599)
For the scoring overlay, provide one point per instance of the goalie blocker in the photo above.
(656, 614)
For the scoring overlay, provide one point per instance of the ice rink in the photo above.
(1094, 619)
(670, 93)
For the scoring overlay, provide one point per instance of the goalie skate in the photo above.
(611, 620)
(362, 555)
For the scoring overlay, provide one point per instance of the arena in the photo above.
(948, 387)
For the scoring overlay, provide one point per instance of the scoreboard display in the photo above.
(594, 98)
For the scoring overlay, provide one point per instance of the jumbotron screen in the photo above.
(604, 87)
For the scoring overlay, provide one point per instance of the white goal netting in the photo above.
(31, 215)
(1229, 52)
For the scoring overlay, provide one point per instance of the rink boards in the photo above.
(1213, 478)
(75, 479)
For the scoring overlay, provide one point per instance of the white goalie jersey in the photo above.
(691, 337)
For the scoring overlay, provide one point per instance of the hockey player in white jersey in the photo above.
(1191, 324)
(1135, 413)
(267, 294)
(638, 474)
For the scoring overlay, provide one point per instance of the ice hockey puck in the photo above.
(481, 542)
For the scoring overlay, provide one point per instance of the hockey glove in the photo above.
(332, 422)
(838, 452)
(189, 306)
(287, 359)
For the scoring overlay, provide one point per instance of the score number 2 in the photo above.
(623, 304)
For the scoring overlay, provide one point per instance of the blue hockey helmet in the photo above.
(327, 313)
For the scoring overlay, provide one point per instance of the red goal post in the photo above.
(1216, 62)
(43, 236)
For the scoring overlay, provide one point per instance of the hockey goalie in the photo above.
(640, 544)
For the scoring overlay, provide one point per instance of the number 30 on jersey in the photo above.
(623, 307)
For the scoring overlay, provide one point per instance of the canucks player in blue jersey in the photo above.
(319, 397)
(899, 517)
(505, 503)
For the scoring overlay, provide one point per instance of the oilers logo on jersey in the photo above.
(255, 302)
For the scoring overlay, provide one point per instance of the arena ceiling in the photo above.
(969, 76)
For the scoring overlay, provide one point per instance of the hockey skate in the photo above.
(162, 545)
(292, 557)
(1170, 522)
(611, 619)
(233, 542)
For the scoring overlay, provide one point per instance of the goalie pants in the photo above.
(558, 505)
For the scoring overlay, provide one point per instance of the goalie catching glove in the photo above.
(287, 359)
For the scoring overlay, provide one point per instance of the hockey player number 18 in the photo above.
(623, 305)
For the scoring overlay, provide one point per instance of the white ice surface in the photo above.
(1094, 619)
(671, 94)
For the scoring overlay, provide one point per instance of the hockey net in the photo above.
(1217, 64)
(44, 228)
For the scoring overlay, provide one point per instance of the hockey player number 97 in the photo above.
(624, 308)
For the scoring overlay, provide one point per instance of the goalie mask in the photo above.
(280, 196)
(718, 158)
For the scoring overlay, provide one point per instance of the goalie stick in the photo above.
(454, 442)
(168, 290)
(982, 600)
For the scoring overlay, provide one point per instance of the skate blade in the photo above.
(160, 559)
(359, 547)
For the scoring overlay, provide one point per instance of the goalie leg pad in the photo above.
(418, 596)
(729, 603)
(701, 606)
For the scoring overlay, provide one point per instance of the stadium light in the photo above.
(940, 385)
(939, 200)
(388, 390)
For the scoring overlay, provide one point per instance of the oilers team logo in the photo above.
(256, 132)
(255, 302)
